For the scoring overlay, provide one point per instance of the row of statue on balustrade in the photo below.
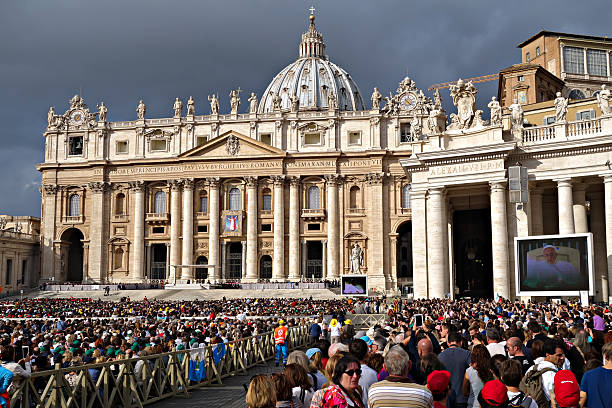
(463, 96)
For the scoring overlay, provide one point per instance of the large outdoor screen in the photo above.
(549, 265)
(354, 285)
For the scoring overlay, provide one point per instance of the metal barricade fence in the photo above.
(140, 381)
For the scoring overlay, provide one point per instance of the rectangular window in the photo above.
(75, 146)
(537, 51)
(573, 60)
(549, 120)
(158, 145)
(266, 138)
(204, 204)
(354, 138)
(585, 115)
(527, 57)
(596, 62)
(521, 97)
(267, 202)
(201, 140)
(159, 230)
(122, 147)
(24, 270)
(202, 228)
(312, 139)
(9, 270)
(521, 78)
(314, 227)
(404, 132)
(266, 227)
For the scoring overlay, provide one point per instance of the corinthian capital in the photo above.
(294, 181)
(175, 184)
(251, 181)
(375, 178)
(278, 180)
(136, 185)
(188, 184)
(213, 182)
(333, 178)
(97, 186)
(50, 189)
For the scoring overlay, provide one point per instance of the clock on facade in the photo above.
(408, 101)
(77, 117)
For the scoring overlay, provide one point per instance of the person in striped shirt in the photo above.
(398, 389)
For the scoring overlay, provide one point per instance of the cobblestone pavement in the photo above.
(230, 395)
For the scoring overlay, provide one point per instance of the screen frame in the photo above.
(342, 278)
(548, 293)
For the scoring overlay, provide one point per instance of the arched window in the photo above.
(265, 267)
(74, 209)
(120, 204)
(203, 202)
(160, 202)
(118, 264)
(576, 94)
(234, 199)
(354, 197)
(314, 198)
(267, 200)
(406, 196)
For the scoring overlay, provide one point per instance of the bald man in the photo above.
(515, 351)
(424, 347)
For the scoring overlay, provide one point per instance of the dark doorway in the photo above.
(314, 260)
(201, 273)
(404, 253)
(74, 264)
(158, 261)
(265, 267)
(235, 261)
(473, 253)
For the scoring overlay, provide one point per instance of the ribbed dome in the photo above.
(311, 78)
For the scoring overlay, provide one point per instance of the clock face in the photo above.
(77, 117)
(408, 101)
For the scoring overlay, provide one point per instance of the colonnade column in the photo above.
(566, 210)
(332, 226)
(48, 231)
(294, 228)
(175, 227)
(251, 242)
(187, 258)
(278, 261)
(436, 243)
(419, 244)
(137, 272)
(375, 255)
(598, 228)
(213, 227)
(499, 236)
(608, 204)
(579, 208)
(97, 266)
(537, 224)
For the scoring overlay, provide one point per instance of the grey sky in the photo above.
(121, 51)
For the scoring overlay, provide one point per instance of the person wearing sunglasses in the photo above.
(344, 391)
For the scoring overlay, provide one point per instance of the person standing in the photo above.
(281, 335)
(595, 389)
(515, 351)
(359, 349)
(456, 360)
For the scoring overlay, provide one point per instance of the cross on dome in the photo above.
(312, 44)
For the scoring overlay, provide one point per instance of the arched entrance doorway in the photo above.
(201, 273)
(265, 267)
(73, 265)
(404, 256)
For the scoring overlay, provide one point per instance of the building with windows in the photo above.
(284, 189)
(19, 253)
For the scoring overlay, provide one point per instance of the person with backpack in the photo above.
(539, 381)
(511, 374)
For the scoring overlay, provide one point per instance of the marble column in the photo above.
(608, 204)
(223, 270)
(48, 231)
(278, 261)
(436, 243)
(537, 220)
(332, 226)
(251, 242)
(598, 228)
(566, 210)
(499, 236)
(213, 227)
(324, 272)
(138, 190)
(375, 255)
(294, 228)
(579, 208)
(243, 265)
(175, 228)
(187, 258)
(419, 245)
(97, 243)
(304, 258)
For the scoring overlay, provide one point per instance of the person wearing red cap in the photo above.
(494, 394)
(438, 383)
(596, 385)
(567, 392)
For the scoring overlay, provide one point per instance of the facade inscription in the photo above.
(466, 168)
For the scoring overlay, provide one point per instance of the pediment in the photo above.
(233, 145)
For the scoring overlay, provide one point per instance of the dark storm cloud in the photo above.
(121, 51)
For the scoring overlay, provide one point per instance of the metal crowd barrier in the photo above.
(140, 381)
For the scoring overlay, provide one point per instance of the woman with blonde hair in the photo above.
(261, 392)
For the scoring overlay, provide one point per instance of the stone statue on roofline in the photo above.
(235, 100)
(253, 103)
(332, 101)
(295, 102)
(178, 108)
(141, 110)
(496, 112)
(276, 101)
(416, 129)
(376, 98)
(464, 98)
(102, 112)
(560, 108)
(516, 120)
(214, 104)
(603, 100)
(190, 107)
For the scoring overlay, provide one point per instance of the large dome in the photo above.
(311, 78)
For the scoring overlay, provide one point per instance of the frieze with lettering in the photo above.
(466, 168)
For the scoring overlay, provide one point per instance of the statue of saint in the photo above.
(416, 129)
(51, 117)
(141, 110)
(603, 100)
(103, 112)
(190, 106)
(235, 100)
(432, 121)
(437, 100)
(253, 103)
(516, 117)
(75, 101)
(376, 98)
(332, 103)
(496, 112)
(560, 108)
(178, 108)
(214, 104)
(295, 103)
(276, 102)
(356, 258)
